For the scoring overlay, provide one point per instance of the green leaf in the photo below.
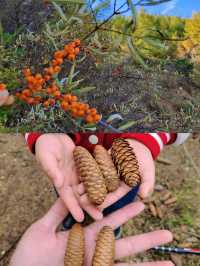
(71, 74)
(59, 10)
(156, 43)
(68, 1)
(127, 125)
(84, 90)
(133, 11)
(135, 53)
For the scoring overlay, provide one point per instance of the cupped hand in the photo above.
(43, 245)
(55, 154)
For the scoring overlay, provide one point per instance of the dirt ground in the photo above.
(25, 195)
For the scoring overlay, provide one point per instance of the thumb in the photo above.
(50, 166)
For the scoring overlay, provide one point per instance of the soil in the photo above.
(26, 194)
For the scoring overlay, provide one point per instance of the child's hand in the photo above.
(43, 245)
(54, 152)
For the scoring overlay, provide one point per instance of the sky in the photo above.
(182, 8)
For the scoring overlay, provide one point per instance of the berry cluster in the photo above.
(43, 88)
(2, 86)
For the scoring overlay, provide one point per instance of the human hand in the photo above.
(43, 245)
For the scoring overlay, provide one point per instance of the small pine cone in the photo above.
(91, 175)
(107, 167)
(75, 247)
(105, 248)
(126, 162)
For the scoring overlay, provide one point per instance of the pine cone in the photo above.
(105, 248)
(91, 175)
(75, 247)
(126, 162)
(107, 168)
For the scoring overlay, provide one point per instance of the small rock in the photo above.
(159, 188)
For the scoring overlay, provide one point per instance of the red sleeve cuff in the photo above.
(31, 139)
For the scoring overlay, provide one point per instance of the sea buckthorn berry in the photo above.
(74, 105)
(67, 97)
(23, 97)
(46, 104)
(74, 98)
(54, 62)
(38, 76)
(30, 79)
(17, 94)
(97, 118)
(64, 105)
(58, 54)
(27, 72)
(93, 111)
(57, 69)
(2, 86)
(49, 90)
(38, 98)
(59, 61)
(71, 57)
(47, 77)
(40, 81)
(81, 113)
(77, 42)
(26, 92)
(89, 119)
(30, 100)
(52, 102)
(50, 71)
(57, 94)
(76, 50)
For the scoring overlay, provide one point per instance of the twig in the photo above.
(164, 161)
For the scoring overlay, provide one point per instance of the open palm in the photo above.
(55, 154)
(43, 245)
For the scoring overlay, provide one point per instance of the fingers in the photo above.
(120, 217)
(50, 166)
(90, 208)
(157, 263)
(115, 196)
(148, 181)
(55, 215)
(68, 196)
(134, 244)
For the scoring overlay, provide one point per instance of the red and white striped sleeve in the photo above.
(157, 141)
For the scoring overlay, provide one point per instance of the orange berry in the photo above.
(57, 94)
(23, 97)
(51, 71)
(30, 79)
(71, 57)
(47, 77)
(74, 105)
(81, 113)
(64, 105)
(30, 100)
(54, 62)
(67, 97)
(74, 98)
(46, 104)
(74, 113)
(97, 118)
(26, 92)
(18, 94)
(38, 76)
(59, 54)
(27, 72)
(76, 50)
(89, 119)
(77, 42)
(57, 69)
(52, 102)
(49, 90)
(40, 81)
(38, 98)
(93, 111)
(2, 86)
(59, 61)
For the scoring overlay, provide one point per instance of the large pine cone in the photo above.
(75, 247)
(126, 162)
(105, 248)
(91, 175)
(107, 167)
